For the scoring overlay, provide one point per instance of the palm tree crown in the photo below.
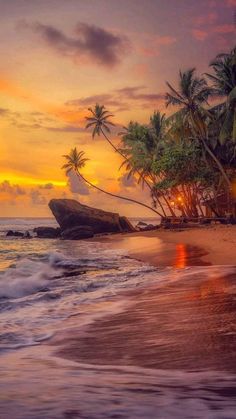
(75, 161)
(192, 92)
(99, 120)
(224, 77)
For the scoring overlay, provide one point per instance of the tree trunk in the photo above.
(118, 196)
(219, 165)
(125, 158)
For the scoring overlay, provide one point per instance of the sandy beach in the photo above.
(211, 245)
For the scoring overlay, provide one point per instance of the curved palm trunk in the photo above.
(219, 165)
(125, 158)
(122, 155)
(207, 148)
(117, 196)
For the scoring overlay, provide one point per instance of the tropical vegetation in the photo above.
(184, 159)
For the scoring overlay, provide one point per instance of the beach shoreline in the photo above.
(185, 323)
(210, 245)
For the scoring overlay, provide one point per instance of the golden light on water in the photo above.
(181, 256)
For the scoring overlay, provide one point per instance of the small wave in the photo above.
(27, 277)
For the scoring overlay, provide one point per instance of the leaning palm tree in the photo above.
(191, 94)
(76, 160)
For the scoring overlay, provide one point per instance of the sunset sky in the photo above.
(58, 57)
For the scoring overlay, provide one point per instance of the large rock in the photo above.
(70, 213)
(77, 233)
(47, 232)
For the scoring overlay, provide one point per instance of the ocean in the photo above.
(66, 350)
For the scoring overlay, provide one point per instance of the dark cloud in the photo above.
(8, 188)
(88, 41)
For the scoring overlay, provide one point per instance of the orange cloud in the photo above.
(206, 19)
(154, 43)
(231, 3)
(227, 28)
(199, 34)
(61, 112)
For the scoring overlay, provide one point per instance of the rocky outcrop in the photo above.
(47, 232)
(77, 233)
(12, 233)
(70, 213)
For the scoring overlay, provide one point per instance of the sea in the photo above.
(87, 331)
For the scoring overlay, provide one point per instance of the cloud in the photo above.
(66, 128)
(14, 190)
(89, 41)
(76, 185)
(200, 35)
(3, 112)
(231, 3)
(206, 19)
(37, 198)
(223, 29)
(37, 120)
(133, 93)
(154, 43)
(206, 26)
(90, 100)
(47, 186)
(121, 99)
(126, 182)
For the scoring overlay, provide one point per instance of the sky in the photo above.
(59, 57)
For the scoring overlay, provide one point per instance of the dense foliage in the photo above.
(189, 157)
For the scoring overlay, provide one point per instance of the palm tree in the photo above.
(142, 145)
(224, 84)
(224, 77)
(100, 123)
(75, 161)
(191, 95)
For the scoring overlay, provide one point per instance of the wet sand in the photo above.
(210, 245)
(188, 324)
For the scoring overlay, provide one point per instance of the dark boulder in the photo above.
(70, 213)
(27, 235)
(47, 232)
(126, 224)
(12, 233)
(141, 224)
(149, 227)
(77, 233)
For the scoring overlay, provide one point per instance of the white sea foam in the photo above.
(26, 278)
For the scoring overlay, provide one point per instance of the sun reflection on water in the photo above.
(181, 256)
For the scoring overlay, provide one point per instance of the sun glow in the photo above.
(21, 180)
